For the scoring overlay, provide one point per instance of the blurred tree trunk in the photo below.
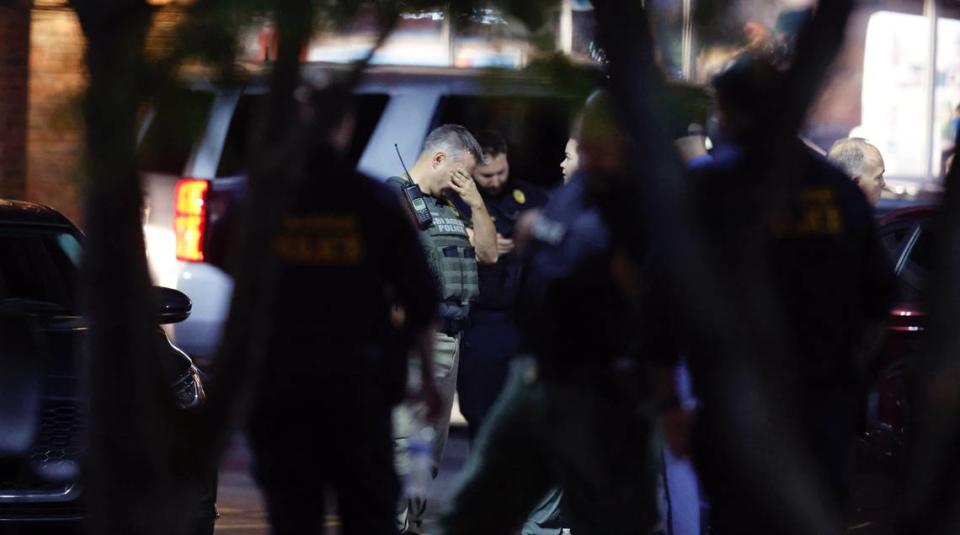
(726, 304)
(930, 500)
(139, 447)
(127, 478)
(281, 149)
(279, 153)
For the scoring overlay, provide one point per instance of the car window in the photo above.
(367, 109)
(176, 123)
(919, 263)
(893, 239)
(39, 264)
(536, 129)
(239, 135)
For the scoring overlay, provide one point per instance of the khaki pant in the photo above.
(408, 420)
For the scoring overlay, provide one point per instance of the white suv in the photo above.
(192, 151)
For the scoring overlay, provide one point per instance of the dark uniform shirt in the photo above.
(828, 267)
(349, 251)
(499, 282)
(571, 310)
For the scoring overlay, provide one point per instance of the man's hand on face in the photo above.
(466, 188)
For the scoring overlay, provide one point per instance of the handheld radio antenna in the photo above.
(401, 161)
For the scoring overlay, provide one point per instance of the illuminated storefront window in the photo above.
(947, 96)
(909, 110)
(893, 102)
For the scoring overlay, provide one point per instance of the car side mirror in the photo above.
(173, 306)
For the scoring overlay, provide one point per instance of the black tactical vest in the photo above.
(452, 258)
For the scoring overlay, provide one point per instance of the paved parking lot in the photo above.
(241, 505)
(242, 510)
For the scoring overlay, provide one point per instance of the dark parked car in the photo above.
(910, 237)
(41, 413)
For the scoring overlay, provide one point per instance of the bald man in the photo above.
(863, 163)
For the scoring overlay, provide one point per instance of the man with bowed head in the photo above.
(454, 243)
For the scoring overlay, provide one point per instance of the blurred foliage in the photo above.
(532, 13)
(211, 30)
(207, 42)
(208, 39)
(209, 34)
(717, 23)
(690, 104)
(568, 79)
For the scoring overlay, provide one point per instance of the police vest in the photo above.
(452, 258)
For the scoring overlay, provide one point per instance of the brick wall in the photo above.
(57, 81)
(15, 36)
(55, 135)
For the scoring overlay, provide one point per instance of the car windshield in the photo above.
(38, 266)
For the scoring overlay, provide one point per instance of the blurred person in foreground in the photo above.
(680, 496)
(491, 340)
(578, 419)
(820, 255)
(928, 492)
(863, 163)
(547, 517)
(321, 414)
(455, 243)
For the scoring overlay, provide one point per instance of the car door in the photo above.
(911, 246)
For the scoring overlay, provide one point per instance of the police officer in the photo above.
(491, 338)
(547, 517)
(573, 420)
(455, 243)
(321, 414)
(815, 245)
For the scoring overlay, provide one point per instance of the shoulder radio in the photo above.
(414, 197)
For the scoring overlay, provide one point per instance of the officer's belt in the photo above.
(454, 252)
(490, 315)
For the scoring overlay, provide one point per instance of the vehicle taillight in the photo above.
(190, 218)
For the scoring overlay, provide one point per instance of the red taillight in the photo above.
(190, 215)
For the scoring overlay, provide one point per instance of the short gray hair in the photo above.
(850, 154)
(453, 138)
